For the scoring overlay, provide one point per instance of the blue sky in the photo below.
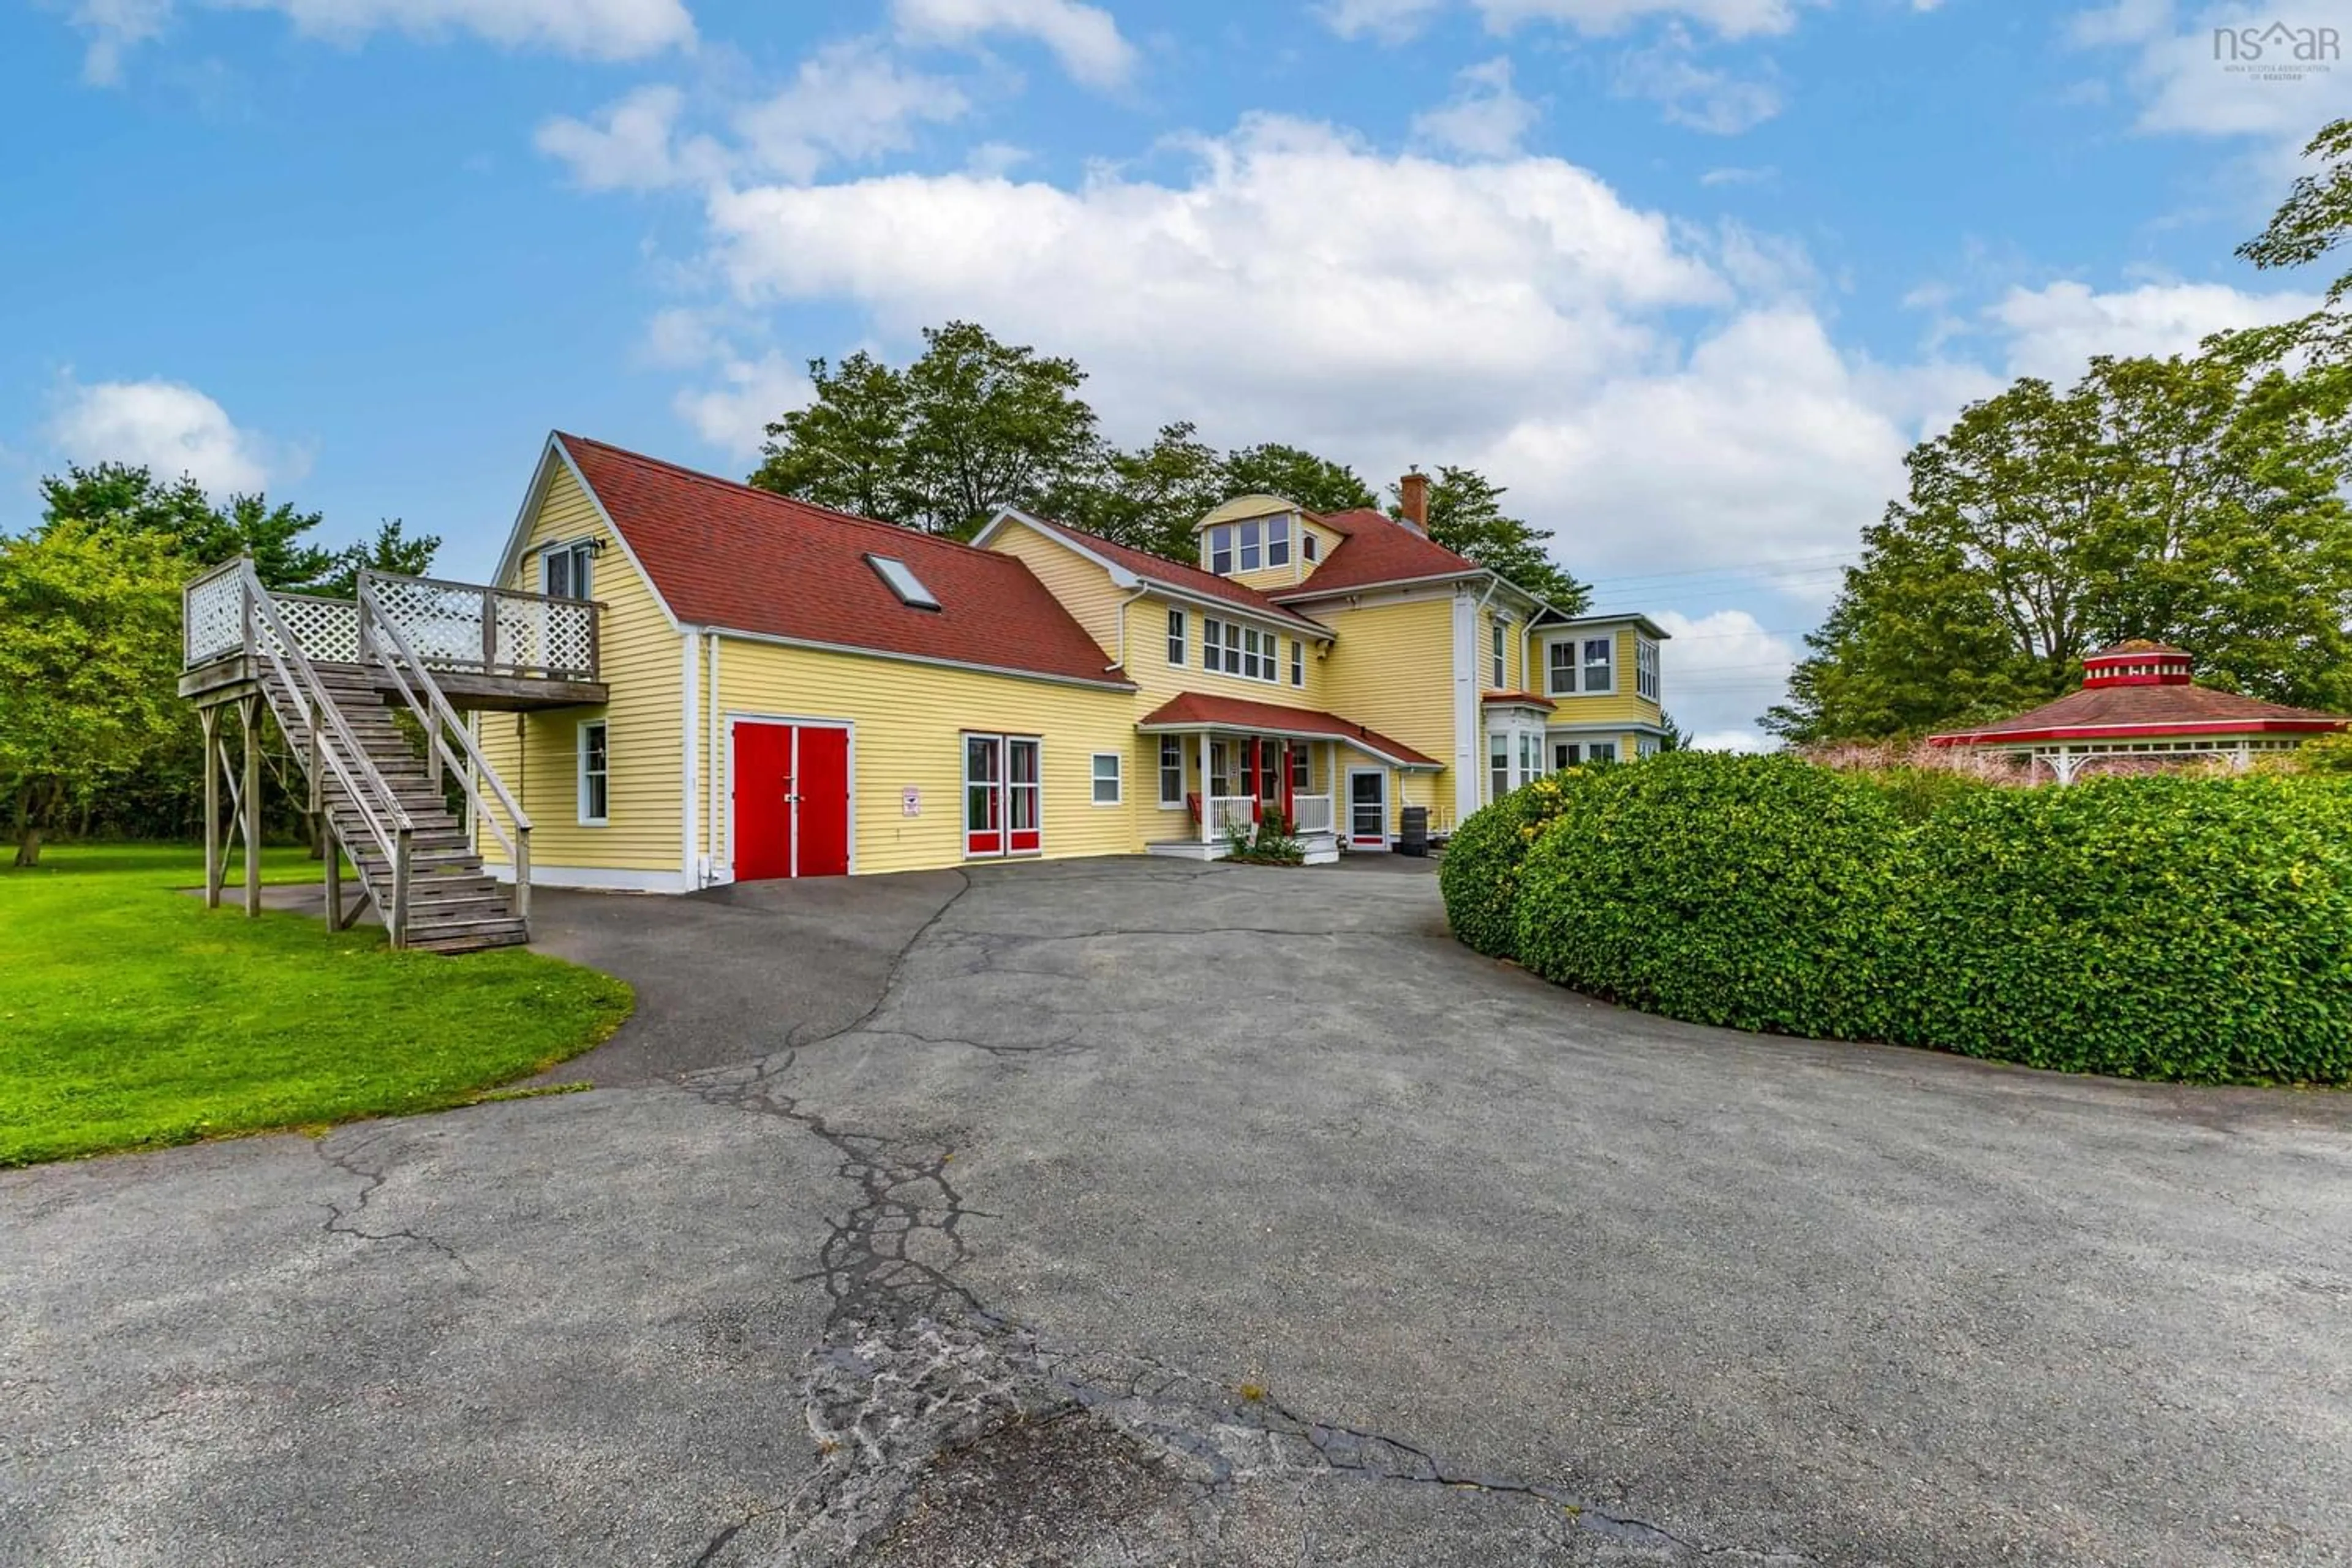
(1688, 275)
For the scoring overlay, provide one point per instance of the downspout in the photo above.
(715, 837)
(1120, 662)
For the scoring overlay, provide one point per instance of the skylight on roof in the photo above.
(903, 582)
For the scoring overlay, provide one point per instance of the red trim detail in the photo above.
(2142, 732)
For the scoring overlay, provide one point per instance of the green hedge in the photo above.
(2195, 929)
(1479, 876)
(1739, 890)
(2165, 926)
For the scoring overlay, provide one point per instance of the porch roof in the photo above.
(1200, 711)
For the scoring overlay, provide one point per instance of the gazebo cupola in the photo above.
(2138, 663)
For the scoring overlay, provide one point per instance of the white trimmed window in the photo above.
(1601, 750)
(1278, 541)
(1221, 549)
(1172, 770)
(1297, 662)
(1250, 557)
(1496, 635)
(1106, 778)
(595, 773)
(1646, 669)
(1307, 546)
(565, 569)
(1176, 639)
(1232, 648)
(1599, 670)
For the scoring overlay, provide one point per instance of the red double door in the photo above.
(792, 801)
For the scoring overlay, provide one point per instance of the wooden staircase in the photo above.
(452, 905)
(376, 793)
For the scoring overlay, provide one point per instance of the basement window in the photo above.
(903, 583)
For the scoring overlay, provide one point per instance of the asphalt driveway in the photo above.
(1144, 1212)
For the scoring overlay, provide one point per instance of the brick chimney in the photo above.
(1413, 492)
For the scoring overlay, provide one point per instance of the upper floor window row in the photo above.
(1588, 666)
(1246, 546)
(1241, 650)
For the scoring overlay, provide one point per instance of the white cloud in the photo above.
(1389, 21)
(1484, 119)
(629, 144)
(1301, 280)
(1763, 175)
(2190, 82)
(735, 413)
(166, 426)
(595, 29)
(115, 27)
(1717, 671)
(2053, 332)
(849, 101)
(846, 103)
(1729, 18)
(1083, 37)
(1701, 96)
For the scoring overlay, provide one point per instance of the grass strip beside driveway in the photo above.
(131, 1017)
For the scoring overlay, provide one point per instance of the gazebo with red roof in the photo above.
(2136, 702)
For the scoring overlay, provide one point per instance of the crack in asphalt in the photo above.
(914, 1366)
(342, 1221)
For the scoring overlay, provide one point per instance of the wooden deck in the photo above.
(225, 679)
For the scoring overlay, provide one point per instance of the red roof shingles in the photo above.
(1178, 574)
(1240, 714)
(2141, 711)
(724, 554)
(1376, 547)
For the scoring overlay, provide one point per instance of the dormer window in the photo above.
(902, 581)
(1221, 549)
(1278, 541)
(1308, 545)
(1251, 557)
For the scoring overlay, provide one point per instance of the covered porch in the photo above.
(1237, 765)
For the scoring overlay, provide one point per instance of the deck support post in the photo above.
(208, 722)
(249, 710)
(334, 873)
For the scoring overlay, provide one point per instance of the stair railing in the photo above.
(383, 641)
(327, 742)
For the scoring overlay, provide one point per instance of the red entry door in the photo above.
(792, 801)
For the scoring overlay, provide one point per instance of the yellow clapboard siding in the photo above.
(908, 723)
(640, 659)
(1391, 670)
(1084, 588)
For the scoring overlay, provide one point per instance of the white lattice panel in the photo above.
(327, 630)
(442, 624)
(212, 625)
(539, 636)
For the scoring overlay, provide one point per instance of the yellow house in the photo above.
(793, 691)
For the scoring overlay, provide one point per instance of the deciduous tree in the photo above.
(88, 648)
(1466, 516)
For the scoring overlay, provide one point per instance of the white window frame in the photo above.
(1566, 755)
(580, 757)
(1606, 665)
(1172, 771)
(1212, 631)
(1554, 669)
(1178, 640)
(579, 556)
(1221, 545)
(1116, 780)
(1005, 788)
(1249, 558)
(1592, 750)
(1497, 642)
(1277, 541)
(1232, 648)
(1646, 669)
(1308, 547)
(1498, 765)
(1298, 661)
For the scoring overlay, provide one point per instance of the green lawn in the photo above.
(132, 1017)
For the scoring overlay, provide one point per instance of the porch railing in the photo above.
(1228, 812)
(1310, 813)
(453, 627)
